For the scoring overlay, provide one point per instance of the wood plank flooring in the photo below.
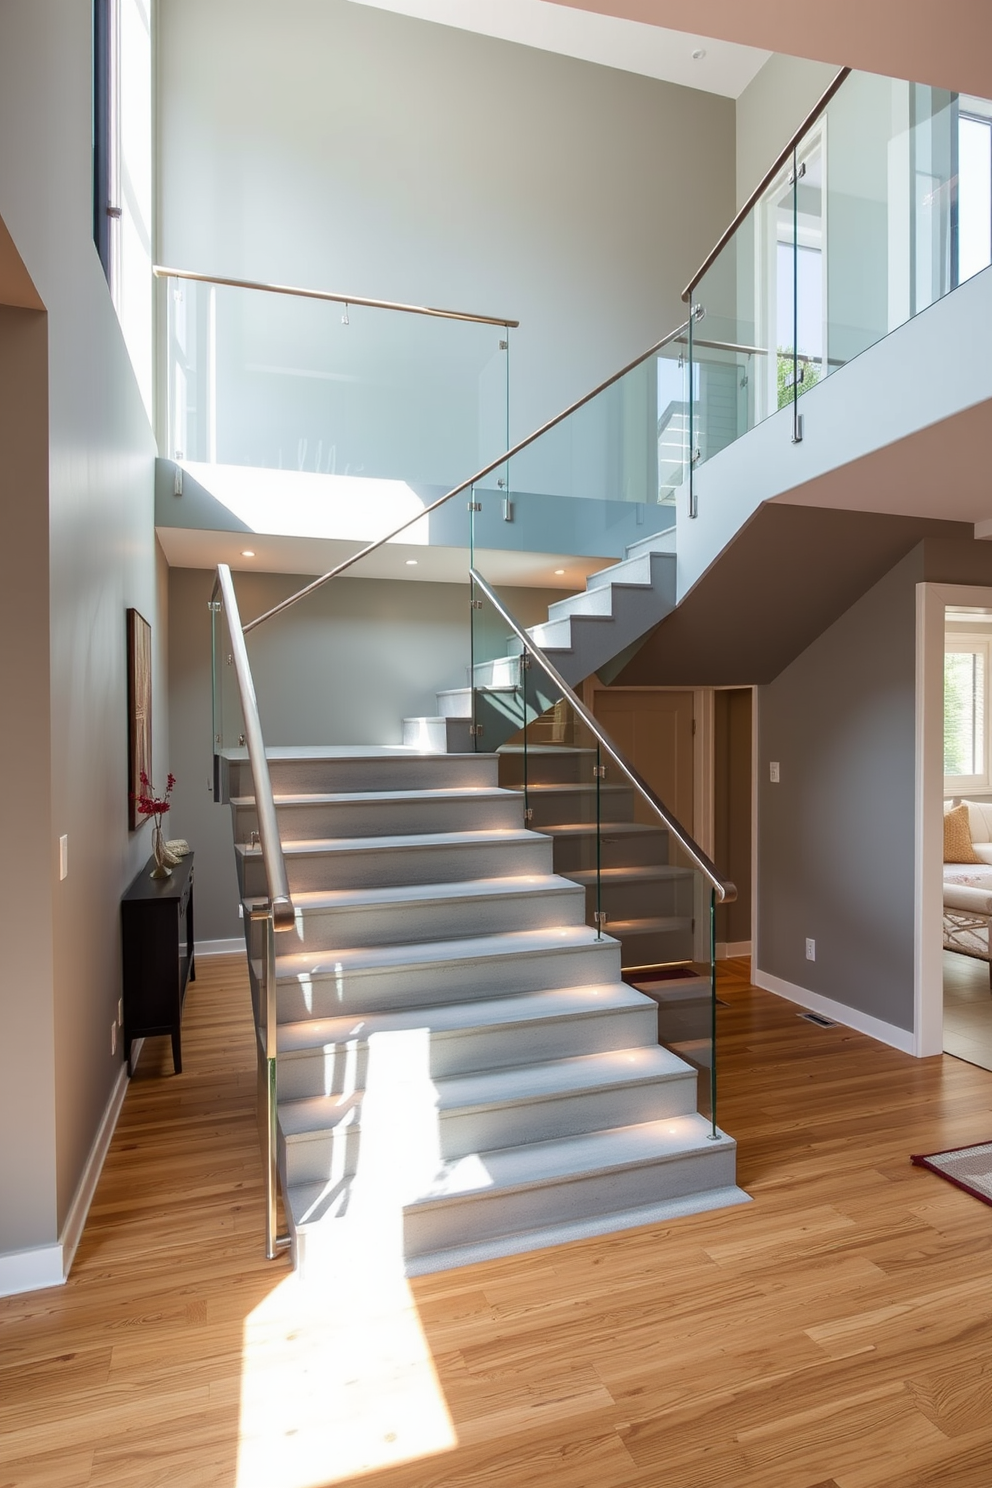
(835, 1333)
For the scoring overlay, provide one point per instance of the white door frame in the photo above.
(931, 603)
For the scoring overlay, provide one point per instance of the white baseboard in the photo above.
(48, 1265)
(85, 1189)
(30, 1270)
(727, 948)
(902, 1039)
(233, 947)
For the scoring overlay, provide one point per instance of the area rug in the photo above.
(969, 1168)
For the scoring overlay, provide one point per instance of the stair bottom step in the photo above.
(575, 1229)
(380, 1254)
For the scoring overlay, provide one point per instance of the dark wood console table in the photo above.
(157, 944)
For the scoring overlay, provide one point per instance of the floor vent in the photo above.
(818, 1019)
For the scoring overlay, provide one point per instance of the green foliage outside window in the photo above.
(811, 376)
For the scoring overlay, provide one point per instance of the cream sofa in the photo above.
(968, 889)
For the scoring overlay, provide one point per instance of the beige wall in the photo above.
(80, 509)
(770, 110)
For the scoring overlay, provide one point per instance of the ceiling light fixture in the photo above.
(247, 552)
(559, 570)
(411, 563)
(699, 54)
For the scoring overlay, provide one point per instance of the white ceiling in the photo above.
(630, 46)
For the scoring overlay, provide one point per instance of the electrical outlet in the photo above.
(64, 856)
(810, 949)
(773, 772)
(120, 1012)
(113, 1038)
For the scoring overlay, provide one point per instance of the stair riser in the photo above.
(636, 901)
(324, 776)
(566, 768)
(318, 1073)
(542, 1120)
(384, 818)
(437, 982)
(591, 602)
(323, 930)
(444, 863)
(314, 1158)
(436, 1227)
(565, 806)
(318, 1156)
(656, 569)
(679, 1025)
(656, 948)
(660, 542)
(638, 850)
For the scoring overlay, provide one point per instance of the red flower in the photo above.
(148, 804)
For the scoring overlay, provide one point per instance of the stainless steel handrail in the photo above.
(162, 272)
(768, 178)
(276, 880)
(725, 890)
(466, 484)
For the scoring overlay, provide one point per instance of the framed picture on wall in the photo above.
(139, 710)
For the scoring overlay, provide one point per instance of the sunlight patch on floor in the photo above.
(337, 1380)
(337, 1374)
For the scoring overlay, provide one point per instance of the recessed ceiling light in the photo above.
(247, 552)
(411, 563)
(559, 570)
(699, 54)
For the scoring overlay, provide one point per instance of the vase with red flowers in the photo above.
(154, 806)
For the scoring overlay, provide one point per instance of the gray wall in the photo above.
(344, 147)
(770, 109)
(79, 548)
(344, 667)
(836, 835)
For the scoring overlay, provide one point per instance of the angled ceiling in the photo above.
(947, 45)
(610, 40)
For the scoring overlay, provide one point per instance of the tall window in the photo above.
(106, 137)
(974, 188)
(966, 713)
(122, 169)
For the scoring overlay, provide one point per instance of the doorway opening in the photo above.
(967, 870)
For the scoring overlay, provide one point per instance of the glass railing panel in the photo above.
(742, 327)
(884, 207)
(328, 389)
(892, 197)
(626, 445)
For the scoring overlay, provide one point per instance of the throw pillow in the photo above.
(957, 837)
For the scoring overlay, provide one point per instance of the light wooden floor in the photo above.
(836, 1331)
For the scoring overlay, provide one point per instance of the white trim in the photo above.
(886, 1033)
(727, 948)
(233, 947)
(928, 989)
(30, 1270)
(48, 1265)
(755, 765)
(82, 1199)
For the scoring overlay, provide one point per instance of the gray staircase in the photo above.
(461, 1067)
(582, 634)
(648, 901)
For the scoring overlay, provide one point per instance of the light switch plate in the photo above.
(64, 856)
(773, 772)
